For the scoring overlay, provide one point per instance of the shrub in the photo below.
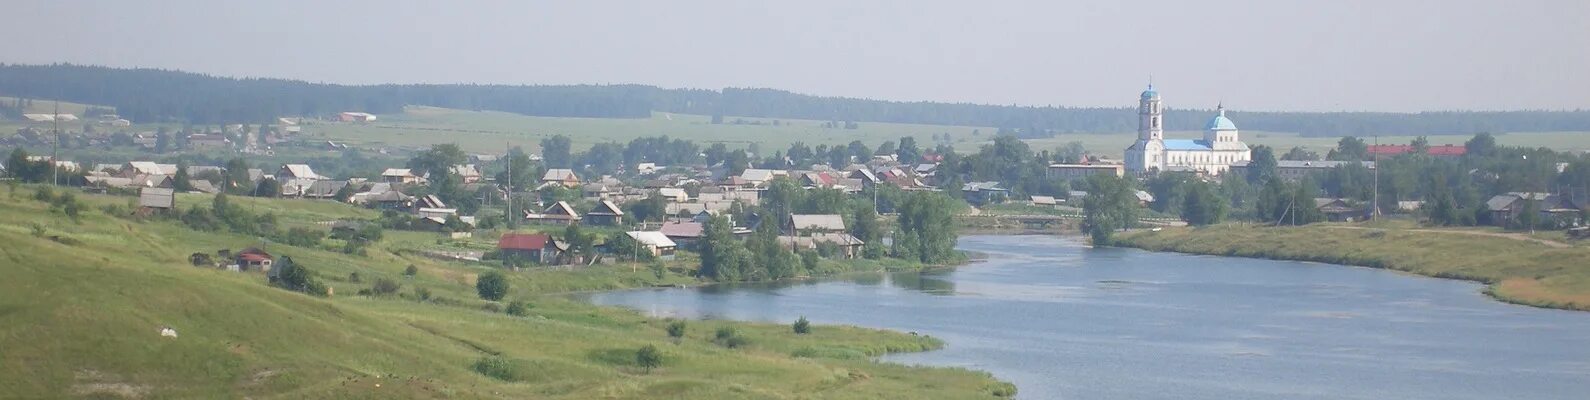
(648, 357)
(498, 368)
(728, 337)
(658, 269)
(411, 270)
(384, 286)
(802, 326)
(423, 294)
(676, 329)
(353, 277)
(519, 309)
(492, 286)
(37, 230)
(294, 277)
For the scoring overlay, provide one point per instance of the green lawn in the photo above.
(82, 302)
(1517, 269)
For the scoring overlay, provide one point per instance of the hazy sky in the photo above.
(1259, 55)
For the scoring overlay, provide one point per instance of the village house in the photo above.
(1083, 171)
(253, 258)
(537, 248)
(208, 141)
(685, 233)
(655, 243)
(467, 173)
(297, 171)
(1340, 210)
(324, 189)
(155, 200)
(1044, 201)
(350, 116)
(559, 213)
(1505, 209)
(673, 194)
(982, 193)
(399, 175)
(135, 168)
(808, 224)
(846, 246)
(561, 176)
(605, 213)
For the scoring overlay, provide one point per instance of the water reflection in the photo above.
(1063, 320)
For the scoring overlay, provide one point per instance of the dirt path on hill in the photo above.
(1505, 235)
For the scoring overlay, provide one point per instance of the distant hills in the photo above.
(162, 95)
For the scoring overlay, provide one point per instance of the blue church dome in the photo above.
(1220, 122)
(1150, 93)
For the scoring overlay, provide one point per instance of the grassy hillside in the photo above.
(1519, 268)
(82, 303)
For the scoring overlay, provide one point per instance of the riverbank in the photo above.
(1525, 272)
(89, 297)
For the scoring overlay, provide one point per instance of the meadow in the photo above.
(1517, 268)
(84, 299)
(491, 132)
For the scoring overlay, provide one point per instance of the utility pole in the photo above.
(1374, 209)
(507, 216)
(55, 145)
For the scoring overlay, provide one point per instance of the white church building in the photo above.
(1153, 153)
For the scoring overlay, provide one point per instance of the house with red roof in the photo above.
(538, 248)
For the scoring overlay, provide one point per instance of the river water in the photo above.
(1065, 321)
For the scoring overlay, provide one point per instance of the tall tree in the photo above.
(556, 152)
(1110, 206)
(1262, 167)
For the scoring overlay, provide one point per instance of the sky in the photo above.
(1281, 55)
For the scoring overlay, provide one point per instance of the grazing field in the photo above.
(84, 300)
(488, 131)
(1517, 267)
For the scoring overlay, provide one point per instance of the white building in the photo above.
(1153, 153)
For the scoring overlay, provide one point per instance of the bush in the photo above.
(498, 368)
(728, 337)
(519, 309)
(809, 260)
(353, 277)
(384, 286)
(423, 294)
(648, 357)
(294, 277)
(802, 326)
(411, 270)
(676, 329)
(492, 286)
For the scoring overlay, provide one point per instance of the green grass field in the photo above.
(491, 131)
(82, 302)
(1517, 269)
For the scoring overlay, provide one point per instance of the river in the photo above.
(1065, 321)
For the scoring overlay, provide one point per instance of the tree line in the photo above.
(154, 95)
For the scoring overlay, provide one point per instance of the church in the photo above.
(1152, 153)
